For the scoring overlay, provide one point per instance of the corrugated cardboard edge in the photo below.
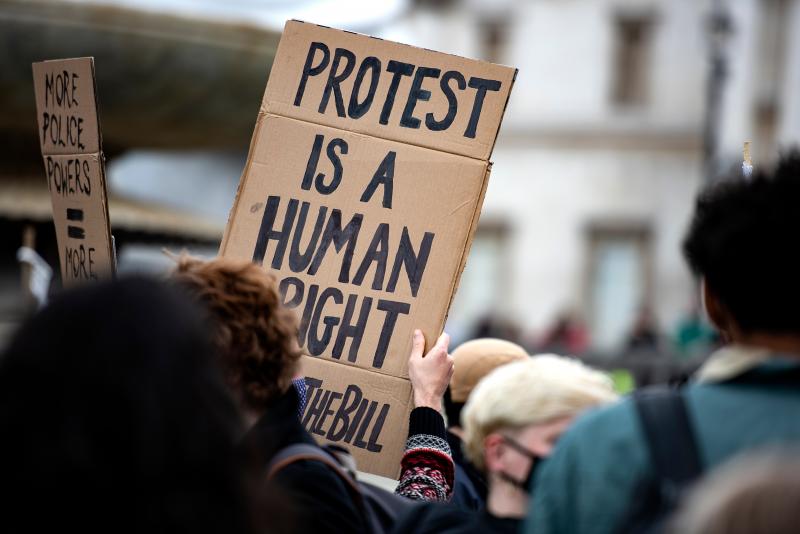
(102, 165)
(242, 181)
(503, 114)
(467, 246)
(97, 110)
(101, 162)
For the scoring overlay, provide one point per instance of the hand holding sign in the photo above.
(430, 373)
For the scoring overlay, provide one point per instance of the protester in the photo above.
(472, 361)
(113, 417)
(511, 420)
(427, 469)
(755, 494)
(644, 334)
(568, 335)
(256, 341)
(492, 325)
(602, 477)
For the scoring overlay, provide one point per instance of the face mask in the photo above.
(526, 483)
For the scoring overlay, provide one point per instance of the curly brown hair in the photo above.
(255, 336)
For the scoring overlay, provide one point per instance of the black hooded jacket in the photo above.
(319, 499)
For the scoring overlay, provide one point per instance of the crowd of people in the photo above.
(175, 405)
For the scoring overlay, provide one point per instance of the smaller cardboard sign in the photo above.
(69, 136)
(365, 412)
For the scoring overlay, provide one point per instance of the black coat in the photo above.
(469, 489)
(440, 518)
(318, 499)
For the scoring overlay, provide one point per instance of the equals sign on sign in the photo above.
(75, 232)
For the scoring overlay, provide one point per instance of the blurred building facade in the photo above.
(602, 148)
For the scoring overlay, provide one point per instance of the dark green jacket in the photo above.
(590, 481)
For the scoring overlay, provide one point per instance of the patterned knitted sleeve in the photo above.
(427, 468)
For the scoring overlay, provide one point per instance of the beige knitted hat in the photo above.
(477, 358)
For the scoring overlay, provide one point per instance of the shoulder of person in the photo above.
(313, 481)
(434, 518)
(321, 494)
(607, 427)
(309, 472)
(589, 478)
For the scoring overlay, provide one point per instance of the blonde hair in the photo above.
(535, 391)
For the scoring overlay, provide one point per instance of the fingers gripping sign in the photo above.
(430, 373)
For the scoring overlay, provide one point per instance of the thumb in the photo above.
(443, 343)
(417, 344)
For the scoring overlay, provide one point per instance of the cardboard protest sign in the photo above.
(359, 410)
(384, 89)
(361, 193)
(69, 135)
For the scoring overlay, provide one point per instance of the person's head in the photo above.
(255, 336)
(515, 415)
(472, 361)
(755, 494)
(114, 416)
(740, 244)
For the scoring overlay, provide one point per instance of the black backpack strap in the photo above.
(379, 508)
(343, 458)
(304, 451)
(670, 438)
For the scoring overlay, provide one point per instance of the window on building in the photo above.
(435, 4)
(766, 128)
(633, 36)
(769, 80)
(494, 32)
(619, 282)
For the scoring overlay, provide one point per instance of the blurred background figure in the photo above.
(567, 336)
(644, 335)
(620, 112)
(694, 335)
(115, 418)
(472, 361)
(495, 326)
(758, 493)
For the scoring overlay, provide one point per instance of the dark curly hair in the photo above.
(741, 241)
(255, 336)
